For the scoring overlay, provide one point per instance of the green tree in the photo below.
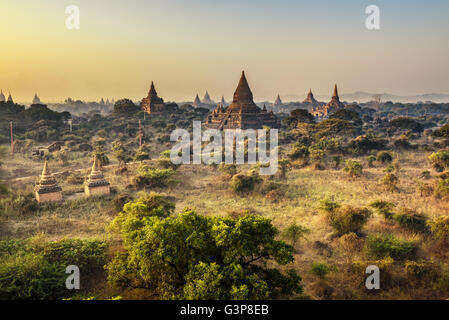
(294, 232)
(196, 257)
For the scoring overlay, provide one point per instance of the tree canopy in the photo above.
(196, 257)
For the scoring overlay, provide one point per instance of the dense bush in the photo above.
(381, 246)
(366, 143)
(440, 227)
(384, 157)
(440, 160)
(411, 220)
(148, 177)
(353, 168)
(384, 208)
(34, 270)
(348, 219)
(245, 183)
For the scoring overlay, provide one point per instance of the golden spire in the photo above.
(335, 91)
(45, 171)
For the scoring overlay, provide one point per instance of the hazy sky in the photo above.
(188, 46)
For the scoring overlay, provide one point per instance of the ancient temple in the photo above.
(2, 96)
(242, 113)
(197, 101)
(152, 104)
(36, 99)
(96, 184)
(47, 189)
(10, 98)
(278, 102)
(310, 99)
(330, 107)
(207, 99)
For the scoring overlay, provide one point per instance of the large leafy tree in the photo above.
(196, 257)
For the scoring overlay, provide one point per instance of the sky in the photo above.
(190, 46)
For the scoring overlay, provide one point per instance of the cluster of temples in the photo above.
(321, 111)
(48, 190)
(242, 113)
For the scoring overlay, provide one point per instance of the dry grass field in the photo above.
(206, 190)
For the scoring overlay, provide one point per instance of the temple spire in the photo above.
(152, 89)
(45, 170)
(243, 92)
(335, 91)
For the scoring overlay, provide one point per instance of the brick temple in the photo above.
(153, 104)
(242, 113)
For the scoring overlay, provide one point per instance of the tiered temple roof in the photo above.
(96, 177)
(152, 104)
(242, 113)
(310, 99)
(47, 184)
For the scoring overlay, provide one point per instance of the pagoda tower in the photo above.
(96, 184)
(36, 99)
(278, 101)
(335, 103)
(242, 113)
(2, 96)
(197, 101)
(152, 104)
(10, 98)
(47, 189)
(310, 98)
(207, 99)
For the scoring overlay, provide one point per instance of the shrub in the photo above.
(421, 270)
(381, 246)
(35, 270)
(321, 270)
(354, 168)
(390, 181)
(411, 220)
(383, 207)
(442, 189)
(384, 157)
(148, 177)
(371, 160)
(348, 219)
(329, 205)
(439, 227)
(245, 183)
(440, 160)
